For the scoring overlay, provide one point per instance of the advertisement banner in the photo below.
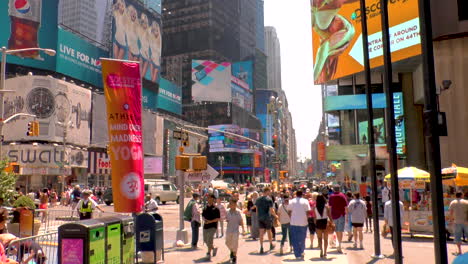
(211, 81)
(29, 24)
(153, 165)
(58, 105)
(78, 58)
(337, 38)
(136, 36)
(321, 151)
(150, 99)
(379, 131)
(169, 97)
(122, 89)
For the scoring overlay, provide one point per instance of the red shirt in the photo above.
(338, 204)
(312, 209)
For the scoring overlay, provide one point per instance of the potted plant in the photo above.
(23, 202)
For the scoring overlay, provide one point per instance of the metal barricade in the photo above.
(42, 249)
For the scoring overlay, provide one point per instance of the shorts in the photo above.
(232, 241)
(43, 206)
(311, 224)
(321, 224)
(248, 220)
(458, 230)
(265, 224)
(208, 235)
(340, 223)
(358, 224)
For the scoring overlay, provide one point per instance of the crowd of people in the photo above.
(321, 216)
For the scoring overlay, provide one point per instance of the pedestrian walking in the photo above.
(459, 218)
(211, 217)
(369, 214)
(311, 217)
(86, 206)
(222, 212)
(266, 212)
(388, 217)
(248, 214)
(339, 208)
(192, 215)
(348, 224)
(43, 204)
(285, 221)
(234, 220)
(255, 230)
(298, 208)
(358, 211)
(322, 216)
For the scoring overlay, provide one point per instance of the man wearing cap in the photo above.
(86, 206)
(339, 208)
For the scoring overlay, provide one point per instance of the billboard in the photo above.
(379, 131)
(149, 99)
(136, 36)
(221, 142)
(337, 38)
(54, 103)
(29, 24)
(78, 58)
(211, 81)
(242, 84)
(169, 97)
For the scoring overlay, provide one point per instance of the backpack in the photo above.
(188, 211)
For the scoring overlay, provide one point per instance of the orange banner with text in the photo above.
(122, 89)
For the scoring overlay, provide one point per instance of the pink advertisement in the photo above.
(72, 251)
(122, 89)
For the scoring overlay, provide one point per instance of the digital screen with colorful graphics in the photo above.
(29, 24)
(221, 142)
(136, 36)
(211, 81)
(379, 131)
(337, 39)
(242, 84)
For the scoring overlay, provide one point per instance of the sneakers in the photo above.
(261, 251)
(208, 257)
(355, 245)
(272, 247)
(215, 251)
(339, 250)
(361, 246)
(281, 250)
(234, 260)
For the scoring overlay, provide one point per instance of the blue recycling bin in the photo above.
(149, 235)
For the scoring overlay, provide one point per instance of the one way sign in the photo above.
(198, 176)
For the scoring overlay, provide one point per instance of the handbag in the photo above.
(330, 227)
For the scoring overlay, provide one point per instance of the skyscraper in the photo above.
(272, 48)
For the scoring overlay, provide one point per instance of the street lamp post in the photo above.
(275, 106)
(221, 160)
(6, 52)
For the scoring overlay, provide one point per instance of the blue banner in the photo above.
(150, 99)
(169, 97)
(78, 58)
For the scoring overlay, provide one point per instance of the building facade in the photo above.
(273, 53)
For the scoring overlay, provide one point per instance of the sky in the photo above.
(293, 25)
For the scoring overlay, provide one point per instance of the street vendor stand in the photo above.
(417, 216)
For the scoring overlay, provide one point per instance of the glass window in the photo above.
(345, 90)
(166, 187)
(173, 187)
(462, 10)
(146, 187)
(379, 126)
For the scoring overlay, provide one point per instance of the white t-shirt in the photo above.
(283, 215)
(385, 194)
(358, 210)
(299, 208)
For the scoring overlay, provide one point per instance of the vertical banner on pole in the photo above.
(122, 89)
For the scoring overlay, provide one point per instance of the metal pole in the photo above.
(181, 233)
(2, 87)
(391, 141)
(64, 149)
(370, 130)
(431, 132)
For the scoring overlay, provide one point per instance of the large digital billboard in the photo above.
(242, 84)
(169, 97)
(337, 38)
(221, 142)
(29, 24)
(211, 81)
(136, 36)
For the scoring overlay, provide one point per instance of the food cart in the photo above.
(417, 216)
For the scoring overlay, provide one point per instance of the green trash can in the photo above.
(82, 242)
(113, 239)
(128, 239)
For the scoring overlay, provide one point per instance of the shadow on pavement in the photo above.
(201, 260)
(322, 259)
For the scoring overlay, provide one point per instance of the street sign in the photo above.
(198, 176)
(180, 135)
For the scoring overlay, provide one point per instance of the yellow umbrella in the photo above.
(411, 173)
(459, 173)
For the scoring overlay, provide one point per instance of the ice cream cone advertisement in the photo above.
(122, 89)
(337, 39)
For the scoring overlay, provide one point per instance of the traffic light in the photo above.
(30, 132)
(199, 163)
(36, 128)
(182, 163)
(274, 141)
